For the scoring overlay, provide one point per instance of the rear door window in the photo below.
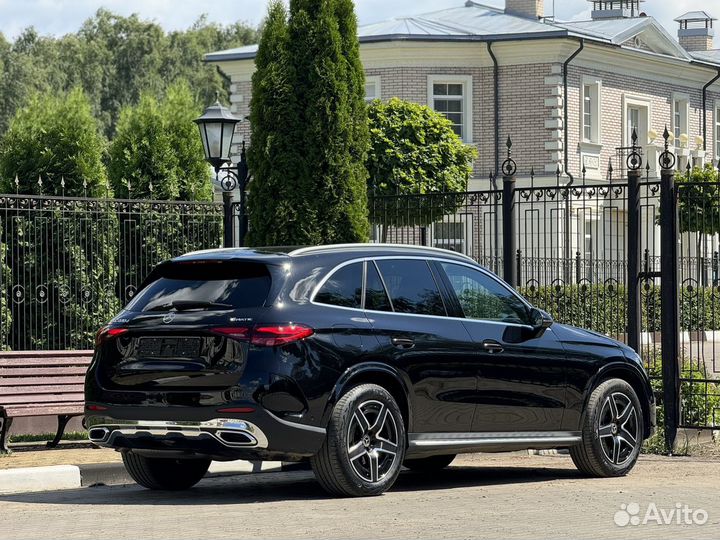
(411, 286)
(376, 297)
(204, 285)
(343, 288)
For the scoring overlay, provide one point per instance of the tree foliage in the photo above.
(54, 138)
(5, 316)
(414, 151)
(313, 131)
(699, 200)
(156, 145)
(114, 59)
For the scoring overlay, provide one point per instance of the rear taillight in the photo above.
(106, 333)
(267, 335)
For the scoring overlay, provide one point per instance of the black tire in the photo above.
(377, 448)
(429, 464)
(164, 473)
(612, 431)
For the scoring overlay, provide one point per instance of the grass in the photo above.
(41, 437)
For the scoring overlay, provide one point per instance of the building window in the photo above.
(591, 112)
(454, 233)
(680, 119)
(372, 88)
(452, 96)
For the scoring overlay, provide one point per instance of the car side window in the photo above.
(376, 297)
(411, 286)
(343, 288)
(482, 297)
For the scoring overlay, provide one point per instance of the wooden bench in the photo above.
(41, 383)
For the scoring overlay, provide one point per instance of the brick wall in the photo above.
(696, 43)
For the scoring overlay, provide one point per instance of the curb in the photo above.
(57, 477)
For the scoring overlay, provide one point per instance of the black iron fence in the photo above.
(623, 254)
(68, 264)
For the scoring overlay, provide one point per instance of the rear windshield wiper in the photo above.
(185, 305)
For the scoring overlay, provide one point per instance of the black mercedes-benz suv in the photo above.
(362, 358)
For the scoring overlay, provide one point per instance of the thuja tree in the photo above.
(309, 132)
(62, 254)
(414, 151)
(157, 154)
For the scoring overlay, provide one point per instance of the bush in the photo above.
(699, 400)
(5, 316)
(414, 151)
(603, 308)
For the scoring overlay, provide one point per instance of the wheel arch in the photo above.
(373, 373)
(630, 374)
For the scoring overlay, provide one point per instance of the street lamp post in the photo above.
(217, 127)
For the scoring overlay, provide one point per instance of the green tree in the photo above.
(157, 145)
(64, 253)
(699, 206)
(414, 151)
(157, 154)
(114, 59)
(321, 141)
(55, 138)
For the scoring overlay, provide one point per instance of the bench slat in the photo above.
(12, 382)
(31, 399)
(51, 409)
(42, 389)
(41, 372)
(23, 362)
(46, 354)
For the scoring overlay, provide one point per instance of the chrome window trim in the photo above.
(407, 247)
(474, 266)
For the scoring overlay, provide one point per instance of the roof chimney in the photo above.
(696, 31)
(532, 9)
(615, 9)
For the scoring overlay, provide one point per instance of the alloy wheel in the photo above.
(618, 428)
(372, 441)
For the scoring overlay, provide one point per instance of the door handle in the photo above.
(403, 343)
(492, 346)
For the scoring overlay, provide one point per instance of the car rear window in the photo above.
(240, 285)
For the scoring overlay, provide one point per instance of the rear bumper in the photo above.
(258, 435)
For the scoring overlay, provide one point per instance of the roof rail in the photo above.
(330, 247)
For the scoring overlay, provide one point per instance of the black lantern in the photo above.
(217, 126)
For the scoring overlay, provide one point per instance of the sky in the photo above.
(58, 17)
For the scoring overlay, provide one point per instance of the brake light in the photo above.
(267, 335)
(106, 333)
(96, 408)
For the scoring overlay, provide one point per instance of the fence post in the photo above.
(634, 162)
(228, 220)
(510, 262)
(669, 287)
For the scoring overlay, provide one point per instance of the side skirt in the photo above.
(428, 444)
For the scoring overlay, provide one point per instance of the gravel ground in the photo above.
(66, 454)
(479, 496)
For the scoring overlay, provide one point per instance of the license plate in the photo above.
(169, 347)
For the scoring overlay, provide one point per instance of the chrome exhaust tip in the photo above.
(98, 434)
(236, 438)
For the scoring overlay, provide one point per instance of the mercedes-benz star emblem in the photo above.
(169, 317)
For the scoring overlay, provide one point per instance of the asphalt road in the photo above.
(480, 496)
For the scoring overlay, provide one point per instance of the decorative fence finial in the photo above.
(667, 158)
(634, 160)
(509, 166)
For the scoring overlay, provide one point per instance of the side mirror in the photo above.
(540, 321)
